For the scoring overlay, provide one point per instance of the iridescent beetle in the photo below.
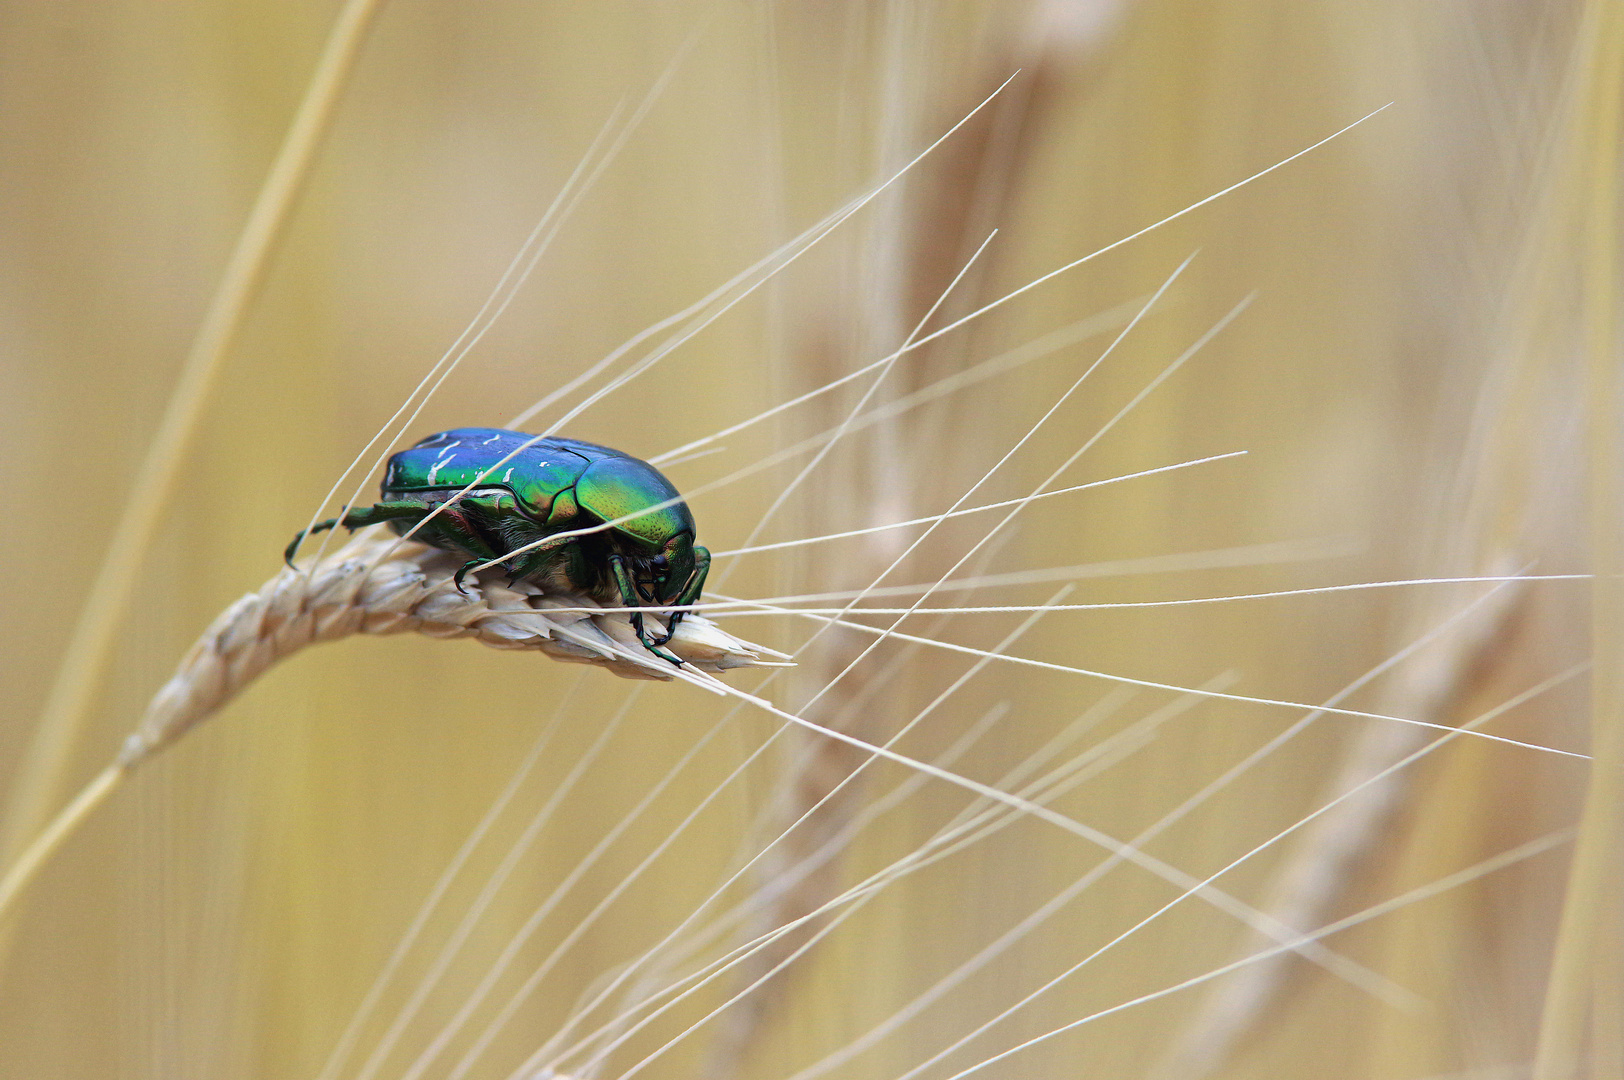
(553, 486)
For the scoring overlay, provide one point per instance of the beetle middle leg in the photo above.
(471, 526)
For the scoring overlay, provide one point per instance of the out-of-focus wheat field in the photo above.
(1424, 382)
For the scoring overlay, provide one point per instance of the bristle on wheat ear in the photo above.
(377, 584)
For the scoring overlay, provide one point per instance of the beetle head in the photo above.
(662, 576)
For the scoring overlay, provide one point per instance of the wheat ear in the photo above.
(378, 584)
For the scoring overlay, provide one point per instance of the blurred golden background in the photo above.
(1424, 382)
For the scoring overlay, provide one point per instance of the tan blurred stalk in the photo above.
(40, 776)
(1582, 1029)
(922, 265)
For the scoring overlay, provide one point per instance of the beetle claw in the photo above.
(652, 646)
(462, 572)
(670, 627)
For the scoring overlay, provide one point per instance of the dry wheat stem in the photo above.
(93, 637)
(1578, 1026)
(1320, 870)
(356, 591)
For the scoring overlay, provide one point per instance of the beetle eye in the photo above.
(660, 562)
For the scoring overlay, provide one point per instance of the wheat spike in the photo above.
(377, 584)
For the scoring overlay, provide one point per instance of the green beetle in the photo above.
(551, 486)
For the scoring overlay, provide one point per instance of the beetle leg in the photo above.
(462, 571)
(629, 597)
(628, 593)
(298, 538)
(359, 517)
(462, 529)
(454, 528)
(690, 592)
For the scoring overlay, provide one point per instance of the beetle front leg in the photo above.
(690, 592)
(629, 597)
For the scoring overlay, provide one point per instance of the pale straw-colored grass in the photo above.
(944, 915)
(41, 777)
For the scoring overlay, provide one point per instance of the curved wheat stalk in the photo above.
(47, 758)
(377, 584)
